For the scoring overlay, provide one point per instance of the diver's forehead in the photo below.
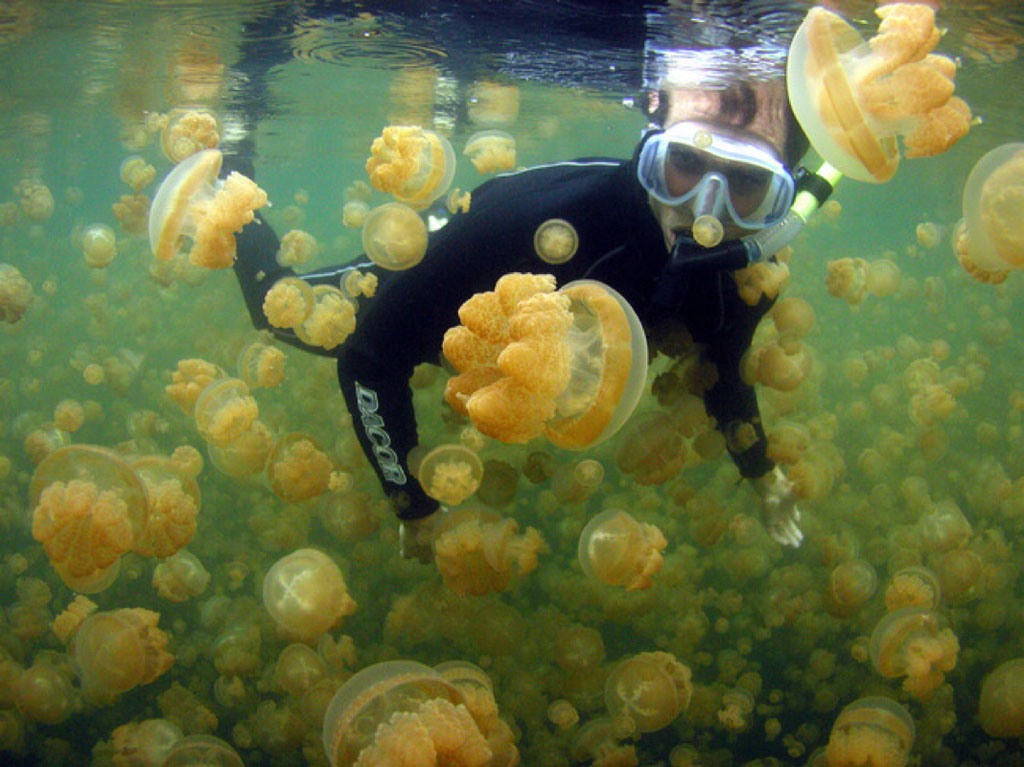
(765, 129)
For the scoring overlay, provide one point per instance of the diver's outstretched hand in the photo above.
(781, 514)
(416, 537)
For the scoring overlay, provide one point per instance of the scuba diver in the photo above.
(723, 146)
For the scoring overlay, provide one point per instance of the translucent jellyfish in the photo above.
(118, 650)
(850, 585)
(297, 468)
(15, 294)
(225, 410)
(599, 742)
(854, 99)
(652, 448)
(44, 692)
(99, 245)
(356, 284)
(306, 595)
(403, 706)
(192, 202)
(1001, 706)
(89, 508)
(69, 415)
(205, 750)
(616, 549)
(570, 365)
(912, 642)
(761, 280)
(988, 241)
(414, 165)
(298, 667)
(34, 198)
(777, 366)
(331, 320)
(187, 132)
(882, 278)
(651, 688)
(928, 234)
(913, 586)
(491, 151)
(145, 743)
(174, 502)
(245, 455)
(297, 247)
(353, 213)
(261, 365)
(478, 552)
(562, 714)
(394, 236)
(450, 473)
(136, 172)
(555, 241)
(793, 317)
(872, 731)
(180, 577)
(847, 278)
(132, 213)
(288, 303)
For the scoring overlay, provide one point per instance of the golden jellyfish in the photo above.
(403, 709)
(651, 688)
(261, 365)
(89, 508)
(652, 448)
(44, 692)
(69, 415)
(883, 278)
(616, 549)
(765, 279)
(450, 473)
(491, 151)
(850, 585)
(245, 455)
(306, 595)
(34, 198)
(913, 586)
(928, 234)
(500, 483)
(913, 643)
(394, 236)
(224, 411)
(98, 245)
(853, 99)
(458, 201)
(297, 247)
(793, 317)
(180, 577)
(987, 241)
(173, 500)
(189, 380)
(136, 172)
(201, 751)
(1001, 706)
(873, 731)
(118, 650)
(297, 468)
(357, 283)
(353, 213)
(187, 132)
(145, 743)
(478, 552)
(132, 212)
(569, 364)
(414, 165)
(777, 366)
(847, 278)
(331, 320)
(289, 302)
(16, 294)
(192, 202)
(555, 241)
(298, 668)
(598, 742)
(575, 482)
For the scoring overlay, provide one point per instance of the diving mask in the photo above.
(693, 163)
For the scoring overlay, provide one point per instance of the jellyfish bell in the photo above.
(305, 594)
(651, 688)
(205, 750)
(450, 473)
(988, 241)
(99, 246)
(491, 151)
(414, 165)
(854, 98)
(394, 236)
(1001, 705)
(555, 241)
(616, 549)
(873, 730)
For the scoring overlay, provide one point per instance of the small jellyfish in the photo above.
(616, 549)
(872, 731)
(34, 198)
(261, 365)
(913, 586)
(778, 366)
(652, 448)
(16, 294)
(569, 364)
(1001, 706)
(192, 202)
(246, 455)
(853, 99)
(847, 278)
(414, 165)
(145, 743)
(136, 172)
(297, 247)
(224, 411)
(928, 234)
(911, 642)
(297, 468)
(793, 317)
(555, 241)
(205, 750)
(988, 241)
(99, 245)
(394, 236)
(353, 213)
(882, 278)
(44, 692)
(850, 585)
(180, 577)
(651, 688)
(331, 321)
(174, 502)
(491, 151)
(187, 132)
(118, 650)
(450, 473)
(306, 595)
(288, 303)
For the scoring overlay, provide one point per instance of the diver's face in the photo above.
(682, 173)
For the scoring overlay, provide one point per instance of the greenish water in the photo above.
(77, 78)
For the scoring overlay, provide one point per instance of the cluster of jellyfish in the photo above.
(602, 592)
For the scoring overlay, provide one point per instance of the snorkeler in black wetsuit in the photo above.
(629, 217)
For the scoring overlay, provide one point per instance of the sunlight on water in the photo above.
(905, 438)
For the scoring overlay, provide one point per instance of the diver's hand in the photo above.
(781, 514)
(416, 537)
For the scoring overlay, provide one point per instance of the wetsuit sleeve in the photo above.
(731, 401)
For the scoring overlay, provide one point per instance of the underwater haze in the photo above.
(900, 420)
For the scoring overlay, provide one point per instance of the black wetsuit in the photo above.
(620, 244)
